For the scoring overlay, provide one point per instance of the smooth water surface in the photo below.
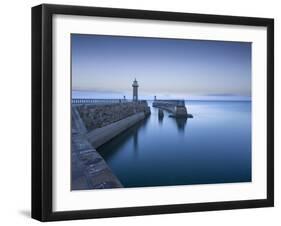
(212, 147)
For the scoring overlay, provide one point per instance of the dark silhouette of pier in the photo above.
(176, 107)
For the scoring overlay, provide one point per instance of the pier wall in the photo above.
(100, 136)
(88, 169)
(176, 107)
(92, 126)
(98, 116)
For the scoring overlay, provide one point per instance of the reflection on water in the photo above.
(136, 141)
(115, 145)
(181, 122)
(212, 147)
(160, 119)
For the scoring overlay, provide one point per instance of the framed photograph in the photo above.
(145, 112)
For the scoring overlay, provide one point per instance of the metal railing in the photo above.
(102, 101)
(97, 101)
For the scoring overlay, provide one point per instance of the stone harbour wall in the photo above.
(100, 136)
(88, 168)
(92, 126)
(98, 116)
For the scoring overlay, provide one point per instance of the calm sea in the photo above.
(212, 147)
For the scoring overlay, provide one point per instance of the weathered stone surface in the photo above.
(99, 136)
(176, 107)
(93, 125)
(98, 116)
(180, 111)
(88, 169)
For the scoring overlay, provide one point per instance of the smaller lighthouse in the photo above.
(135, 90)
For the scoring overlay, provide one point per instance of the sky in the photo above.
(105, 66)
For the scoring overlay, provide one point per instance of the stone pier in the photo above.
(176, 107)
(88, 169)
(93, 124)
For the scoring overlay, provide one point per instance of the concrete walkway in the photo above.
(102, 135)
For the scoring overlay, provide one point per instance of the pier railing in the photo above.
(101, 101)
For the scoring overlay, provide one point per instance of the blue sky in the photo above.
(105, 67)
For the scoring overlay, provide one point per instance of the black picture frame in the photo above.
(42, 111)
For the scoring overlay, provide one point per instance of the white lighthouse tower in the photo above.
(135, 90)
